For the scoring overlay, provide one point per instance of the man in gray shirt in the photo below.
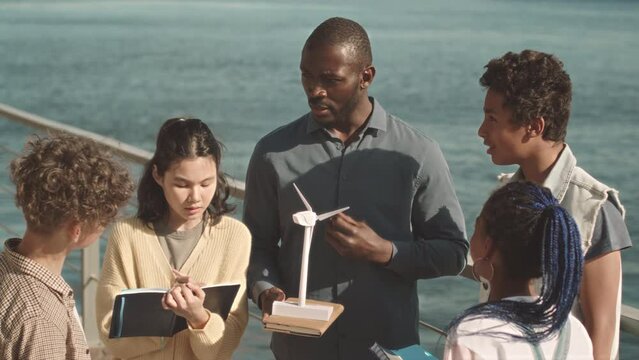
(404, 222)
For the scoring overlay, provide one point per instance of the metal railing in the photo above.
(91, 255)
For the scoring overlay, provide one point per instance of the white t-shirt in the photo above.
(470, 342)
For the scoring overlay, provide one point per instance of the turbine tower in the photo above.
(306, 218)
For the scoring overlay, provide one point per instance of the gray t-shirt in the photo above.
(610, 234)
(178, 245)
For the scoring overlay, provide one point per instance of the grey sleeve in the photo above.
(439, 245)
(610, 233)
(261, 218)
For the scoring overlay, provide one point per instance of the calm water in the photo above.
(120, 68)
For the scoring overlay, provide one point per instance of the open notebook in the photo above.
(139, 312)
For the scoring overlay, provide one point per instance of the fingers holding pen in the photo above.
(180, 278)
(196, 290)
(187, 300)
(174, 299)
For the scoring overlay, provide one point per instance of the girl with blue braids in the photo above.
(523, 234)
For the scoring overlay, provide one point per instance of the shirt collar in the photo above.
(29, 267)
(559, 177)
(378, 119)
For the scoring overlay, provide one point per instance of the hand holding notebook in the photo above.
(140, 312)
(187, 300)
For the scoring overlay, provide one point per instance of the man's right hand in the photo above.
(267, 297)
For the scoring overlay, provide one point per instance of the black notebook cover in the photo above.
(139, 312)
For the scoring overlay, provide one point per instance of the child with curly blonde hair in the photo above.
(69, 189)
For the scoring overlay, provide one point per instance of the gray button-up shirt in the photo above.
(392, 177)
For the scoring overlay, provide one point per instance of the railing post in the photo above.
(90, 273)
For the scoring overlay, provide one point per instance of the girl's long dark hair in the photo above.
(179, 139)
(538, 238)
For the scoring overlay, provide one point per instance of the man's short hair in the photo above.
(339, 31)
(534, 84)
(64, 178)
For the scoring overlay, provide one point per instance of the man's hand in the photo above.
(266, 299)
(355, 239)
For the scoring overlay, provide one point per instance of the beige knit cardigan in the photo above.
(134, 259)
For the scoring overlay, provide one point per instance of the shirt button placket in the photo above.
(342, 176)
(342, 173)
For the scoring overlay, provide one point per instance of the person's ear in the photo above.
(536, 127)
(156, 176)
(74, 230)
(368, 74)
(488, 247)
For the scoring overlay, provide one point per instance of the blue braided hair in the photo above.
(524, 219)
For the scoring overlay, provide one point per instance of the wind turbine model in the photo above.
(306, 218)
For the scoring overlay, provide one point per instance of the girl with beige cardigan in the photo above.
(179, 239)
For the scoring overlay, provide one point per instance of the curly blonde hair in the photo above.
(64, 178)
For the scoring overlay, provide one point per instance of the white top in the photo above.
(469, 341)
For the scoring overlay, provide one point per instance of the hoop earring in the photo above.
(485, 282)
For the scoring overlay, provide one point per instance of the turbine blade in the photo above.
(326, 215)
(308, 207)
